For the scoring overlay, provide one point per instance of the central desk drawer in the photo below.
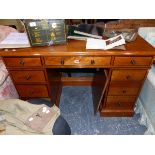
(132, 61)
(104, 61)
(128, 75)
(32, 90)
(28, 76)
(22, 62)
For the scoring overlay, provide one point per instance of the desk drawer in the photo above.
(28, 76)
(22, 62)
(128, 75)
(126, 90)
(77, 60)
(132, 61)
(121, 102)
(104, 61)
(32, 90)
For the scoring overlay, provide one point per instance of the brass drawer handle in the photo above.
(133, 62)
(27, 77)
(76, 61)
(22, 62)
(62, 62)
(92, 62)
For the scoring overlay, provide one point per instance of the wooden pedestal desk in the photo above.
(117, 81)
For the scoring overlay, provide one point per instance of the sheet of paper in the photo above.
(105, 44)
(114, 41)
(16, 38)
(95, 43)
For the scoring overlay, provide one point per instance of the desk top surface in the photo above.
(74, 47)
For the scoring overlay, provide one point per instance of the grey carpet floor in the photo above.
(77, 108)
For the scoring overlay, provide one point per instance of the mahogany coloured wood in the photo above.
(126, 72)
(77, 48)
(32, 90)
(22, 62)
(128, 75)
(121, 102)
(27, 76)
(78, 60)
(125, 90)
(132, 61)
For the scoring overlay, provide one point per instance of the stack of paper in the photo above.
(105, 44)
(15, 40)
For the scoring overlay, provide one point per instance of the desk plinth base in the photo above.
(117, 113)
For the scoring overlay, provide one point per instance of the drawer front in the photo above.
(128, 75)
(105, 61)
(77, 61)
(32, 90)
(28, 76)
(22, 62)
(123, 90)
(121, 102)
(53, 61)
(132, 61)
(67, 60)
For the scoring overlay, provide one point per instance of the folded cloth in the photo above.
(5, 31)
(3, 72)
(17, 112)
(39, 119)
(2, 123)
(2, 66)
(3, 76)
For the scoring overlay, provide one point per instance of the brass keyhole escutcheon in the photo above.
(92, 62)
(27, 77)
(22, 62)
